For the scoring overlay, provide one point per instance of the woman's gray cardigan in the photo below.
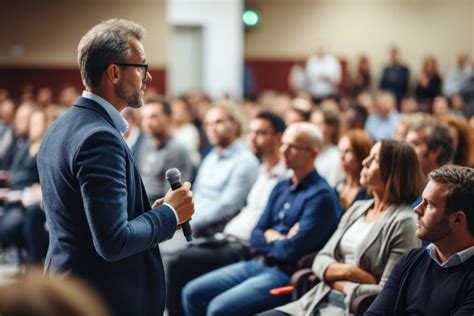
(388, 239)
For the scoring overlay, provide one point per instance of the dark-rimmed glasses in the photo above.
(145, 66)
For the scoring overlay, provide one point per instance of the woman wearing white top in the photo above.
(371, 236)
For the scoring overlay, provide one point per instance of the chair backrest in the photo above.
(306, 261)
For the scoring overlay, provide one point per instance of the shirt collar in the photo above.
(279, 170)
(456, 259)
(309, 179)
(119, 122)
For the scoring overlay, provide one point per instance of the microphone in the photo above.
(173, 176)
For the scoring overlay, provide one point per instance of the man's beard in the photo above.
(132, 99)
(436, 232)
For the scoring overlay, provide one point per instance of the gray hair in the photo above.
(315, 136)
(105, 43)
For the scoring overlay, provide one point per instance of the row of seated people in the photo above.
(229, 191)
(22, 223)
(206, 255)
(161, 147)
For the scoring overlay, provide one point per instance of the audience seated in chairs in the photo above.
(301, 214)
(23, 220)
(207, 254)
(437, 279)
(371, 236)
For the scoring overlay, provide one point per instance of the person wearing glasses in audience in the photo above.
(371, 236)
(301, 214)
(101, 225)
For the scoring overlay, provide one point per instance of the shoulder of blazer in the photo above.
(357, 209)
(401, 212)
(89, 104)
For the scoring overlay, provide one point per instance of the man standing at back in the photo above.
(101, 225)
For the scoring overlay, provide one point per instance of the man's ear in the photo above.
(113, 73)
(459, 217)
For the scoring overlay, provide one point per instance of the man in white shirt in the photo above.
(323, 72)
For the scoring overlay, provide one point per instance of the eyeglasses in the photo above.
(294, 147)
(144, 66)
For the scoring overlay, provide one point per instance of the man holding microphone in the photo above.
(101, 226)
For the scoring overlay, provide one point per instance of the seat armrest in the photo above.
(303, 280)
(361, 303)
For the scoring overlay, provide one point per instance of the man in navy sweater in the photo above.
(438, 279)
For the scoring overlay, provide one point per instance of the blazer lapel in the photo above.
(360, 211)
(374, 233)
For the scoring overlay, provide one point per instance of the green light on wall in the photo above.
(250, 18)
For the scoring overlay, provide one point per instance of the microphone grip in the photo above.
(186, 227)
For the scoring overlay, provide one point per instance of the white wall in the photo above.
(49, 30)
(292, 29)
(222, 40)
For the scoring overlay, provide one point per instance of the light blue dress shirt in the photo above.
(223, 183)
(119, 122)
(452, 261)
(382, 127)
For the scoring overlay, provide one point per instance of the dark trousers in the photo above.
(35, 234)
(197, 259)
(24, 228)
(11, 223)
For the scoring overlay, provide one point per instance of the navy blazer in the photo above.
(101, 228)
